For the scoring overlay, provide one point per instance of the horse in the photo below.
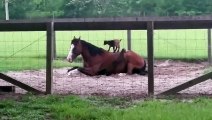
(115, 44)
(97, 61)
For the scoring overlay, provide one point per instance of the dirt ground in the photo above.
(167, 75)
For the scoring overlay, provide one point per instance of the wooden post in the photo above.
(19, 84)
(129, 39)
(188, 84)
(49, 56)
(54, 46)
(209, 47)
(150, 29)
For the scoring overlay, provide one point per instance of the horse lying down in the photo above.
(97, 61)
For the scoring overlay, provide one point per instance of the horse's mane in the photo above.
(92, 49)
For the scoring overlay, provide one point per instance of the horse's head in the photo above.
(75, 49)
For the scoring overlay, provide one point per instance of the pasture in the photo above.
(23, 57)
(27, 50)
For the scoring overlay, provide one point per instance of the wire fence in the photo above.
(180, 55)
(22, 54)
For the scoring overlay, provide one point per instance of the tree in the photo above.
(6, 2)
(49, 8)
(2, 14)
(19, 8)
(172, 8)
(196, 7)
(29, 9)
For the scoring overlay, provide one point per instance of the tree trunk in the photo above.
(6, 9)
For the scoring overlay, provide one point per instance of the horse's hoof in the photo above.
(121, 74)
(73, 72)
(68, 74)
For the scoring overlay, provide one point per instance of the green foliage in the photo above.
(78, 8)
(173, 7)
(2, 12)
(25, 9)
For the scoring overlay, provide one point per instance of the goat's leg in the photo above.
(114, 49)
(118, 49)
(109, 48)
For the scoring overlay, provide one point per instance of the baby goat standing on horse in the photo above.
(113, 43)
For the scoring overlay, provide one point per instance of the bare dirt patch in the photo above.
(167, 75)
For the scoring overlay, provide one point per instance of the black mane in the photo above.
(92, 49)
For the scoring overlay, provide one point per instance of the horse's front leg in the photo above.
(91, 71)
(87, 71)
(85, 64)
(73, 68)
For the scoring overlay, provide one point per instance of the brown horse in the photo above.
(97, 61)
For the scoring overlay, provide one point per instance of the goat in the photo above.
(113, 43)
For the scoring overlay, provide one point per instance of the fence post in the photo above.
(209, 47)
(129, 39)
(150, 29)
(54, 47)
(49, 55)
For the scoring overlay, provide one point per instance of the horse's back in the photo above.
(107, 58)
(107, 63)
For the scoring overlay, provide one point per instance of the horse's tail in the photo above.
(143, 70)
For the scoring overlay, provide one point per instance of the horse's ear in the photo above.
(79, 37)
(74, 37)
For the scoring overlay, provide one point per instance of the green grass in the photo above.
(100, 108)
(27, 50)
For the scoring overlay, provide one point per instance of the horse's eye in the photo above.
(74, 50)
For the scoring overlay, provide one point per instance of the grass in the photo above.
(100, 108)
(27, 50)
